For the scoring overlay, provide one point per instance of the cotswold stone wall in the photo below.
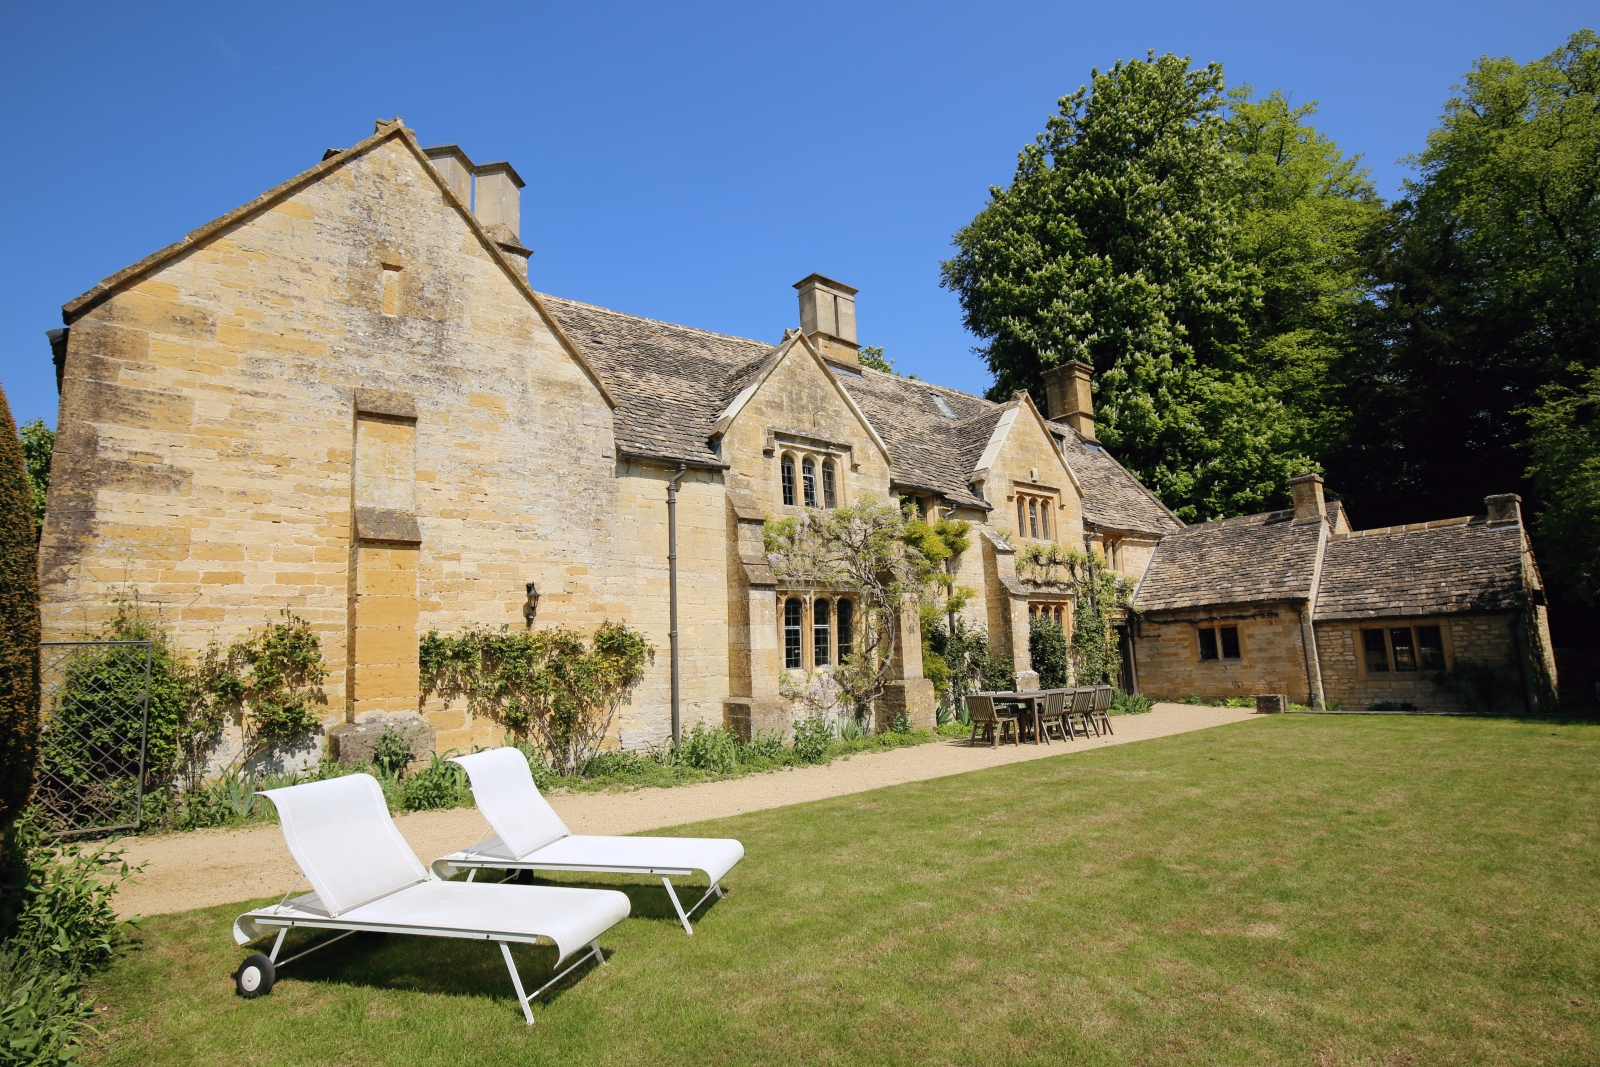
(207, 441)
(1480, 650)
(1272, 656)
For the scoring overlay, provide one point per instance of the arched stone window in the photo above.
(808, 478)
(820, 633)
(788, 479)
(1033, 517)
(830, 495)
(847, 637)
(1044, 518)
(1022, 517)
(792, 612)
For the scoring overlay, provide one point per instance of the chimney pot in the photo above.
(1309, 504)
(1069, 396)
(455, 168)
(1505, 509)
(828, 319)
(499, 199)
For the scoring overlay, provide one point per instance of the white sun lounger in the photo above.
(365, 877)
(530, 836)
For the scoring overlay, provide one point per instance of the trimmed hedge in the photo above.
(19, 625)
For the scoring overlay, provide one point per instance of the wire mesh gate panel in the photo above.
(94, 720)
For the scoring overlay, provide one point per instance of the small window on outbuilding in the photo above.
(1405, 653)
(808, 478)
(1208, 643)
(1430, 648)
(788, 480)
(1375, 651)
(830, 495)
(1230, 641)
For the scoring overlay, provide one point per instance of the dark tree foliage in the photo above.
(19, 626)
(1484, 290)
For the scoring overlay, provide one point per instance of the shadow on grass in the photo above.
(446, 966)
(647, 900)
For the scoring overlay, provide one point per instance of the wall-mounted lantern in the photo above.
(531, 608)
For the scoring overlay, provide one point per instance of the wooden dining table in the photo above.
(1029, 699)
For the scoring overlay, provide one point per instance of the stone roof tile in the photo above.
(1250, 559)
(1437, 568)
(1112, 498)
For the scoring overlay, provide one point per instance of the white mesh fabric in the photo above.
(340, 833)
(503, 787)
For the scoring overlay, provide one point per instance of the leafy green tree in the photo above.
(1305, 210)
(1484, 289)
(1566, 471)
(19, 626)
(1115, 244)
(38, 444)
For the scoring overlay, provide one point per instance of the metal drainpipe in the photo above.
(672, 579)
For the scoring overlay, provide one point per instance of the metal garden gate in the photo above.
(94, 724)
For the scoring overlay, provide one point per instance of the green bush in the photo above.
(851, 730)
(392, 750)
(441, 784)
(812, 737)
(19, 625)
(57, 926)
(1130, 704)
(999, 676)
(765, 745)
(1048, 651)
(43, 1012)
(710, 749)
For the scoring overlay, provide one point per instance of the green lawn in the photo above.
(1299, 890)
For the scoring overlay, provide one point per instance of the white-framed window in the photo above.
(786, 474)
(808, 480)
(793, 617)
(821, 632)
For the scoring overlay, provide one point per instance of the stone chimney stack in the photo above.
(828, 319)
(1309, 505)
(1505, 509)
(454, 167)
(1068, 396)
(499, 200)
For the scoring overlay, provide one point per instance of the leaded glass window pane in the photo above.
(792, 610)
(788, 480)
(820, 633)
(808, 477)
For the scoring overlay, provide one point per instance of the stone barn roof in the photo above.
(1245, 560)
(1435, 568)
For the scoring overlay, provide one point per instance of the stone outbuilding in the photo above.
(1437, 616)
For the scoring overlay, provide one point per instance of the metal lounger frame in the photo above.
(473, 864)
(524, 999)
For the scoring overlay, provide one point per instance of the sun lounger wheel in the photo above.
(254, 978)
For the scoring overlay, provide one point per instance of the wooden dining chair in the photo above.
(1081, 711)
(1102, 707)
(1053, 714)
(982, 711)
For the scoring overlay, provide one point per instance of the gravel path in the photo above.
(209, 867)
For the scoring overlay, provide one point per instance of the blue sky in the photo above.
(687, 162)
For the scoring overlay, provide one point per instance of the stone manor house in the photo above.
(345, 398)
